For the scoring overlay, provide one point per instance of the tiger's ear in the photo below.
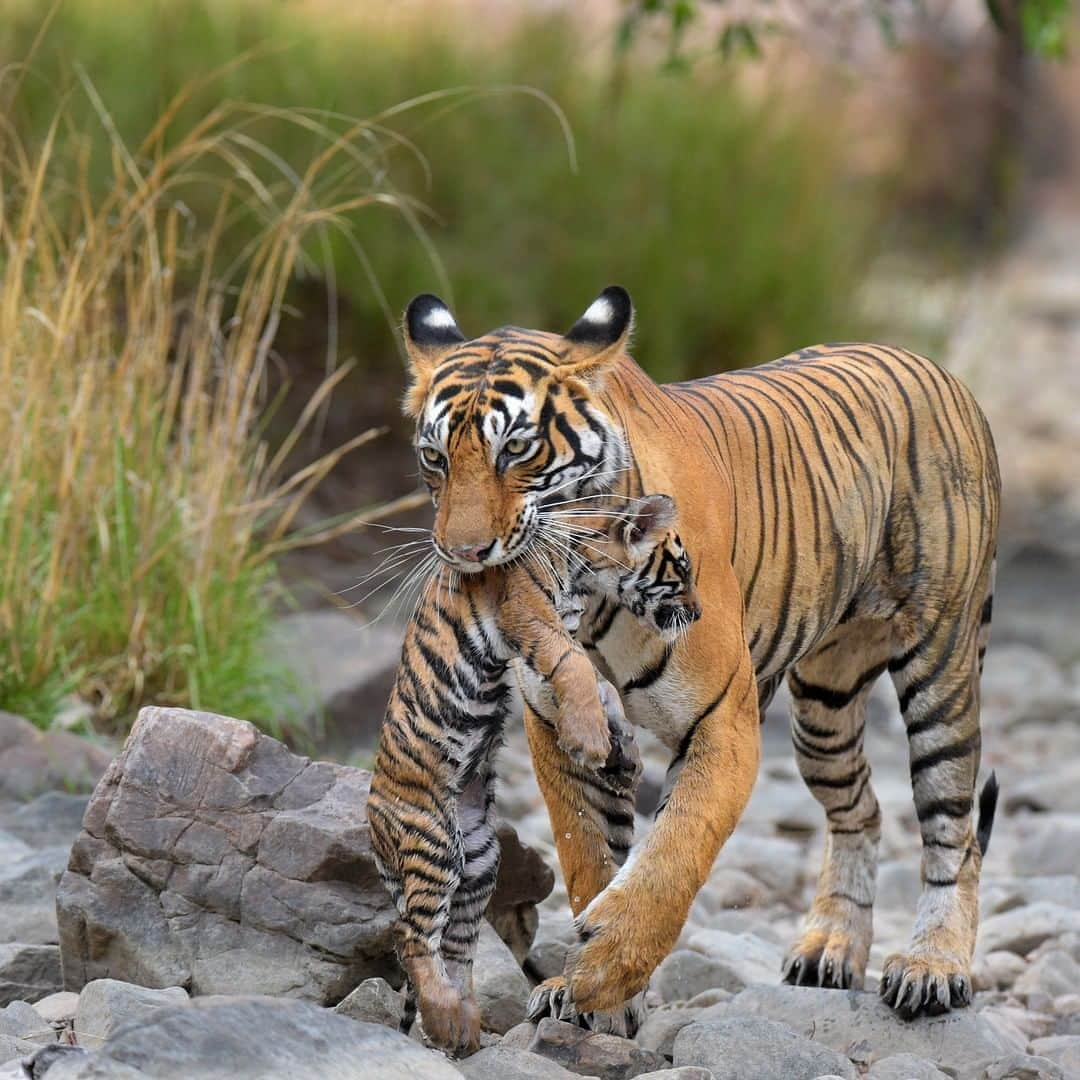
(647, 522)
(599, 336)
(431, 333)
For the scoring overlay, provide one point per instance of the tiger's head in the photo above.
(508, 426)
(641, 563)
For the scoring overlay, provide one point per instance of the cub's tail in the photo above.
(988, 798)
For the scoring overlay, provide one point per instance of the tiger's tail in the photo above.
(988, 798)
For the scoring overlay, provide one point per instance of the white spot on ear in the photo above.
(439, 317)
(599, 311)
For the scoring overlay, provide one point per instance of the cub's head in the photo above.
(643, 565)
(509, 427)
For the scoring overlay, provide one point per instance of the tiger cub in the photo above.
(431, 805)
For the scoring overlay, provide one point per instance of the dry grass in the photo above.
(140, 509)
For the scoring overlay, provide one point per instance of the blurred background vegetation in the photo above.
(213, 207)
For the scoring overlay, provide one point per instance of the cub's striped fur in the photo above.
(841, 508)
(430, 805)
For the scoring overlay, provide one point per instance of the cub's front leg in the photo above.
(533, 626)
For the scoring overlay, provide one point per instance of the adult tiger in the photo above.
(841, 507)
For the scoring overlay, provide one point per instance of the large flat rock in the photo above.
(214, 859)
(841, 1018)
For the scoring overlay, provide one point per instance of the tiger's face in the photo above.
(508, 428)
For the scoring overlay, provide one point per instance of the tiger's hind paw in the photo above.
(824, 959)
(928, 984)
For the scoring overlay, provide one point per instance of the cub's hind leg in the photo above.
(937, 680)
(829, 691)
(480, 845)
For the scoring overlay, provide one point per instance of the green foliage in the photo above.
(726, 219)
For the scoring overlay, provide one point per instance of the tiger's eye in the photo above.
(431, 457)
(516, 446)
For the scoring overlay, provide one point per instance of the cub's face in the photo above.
(643, 565)
(509, 431)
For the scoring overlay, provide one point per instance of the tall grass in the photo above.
(140, 507)
(729, 218)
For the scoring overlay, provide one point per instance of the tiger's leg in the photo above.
(420, 856)
(829, 691)
(630, 927)
(476, 820)
(592, 818)
(937, 680)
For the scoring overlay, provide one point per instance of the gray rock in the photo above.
(33, 761)
(683, 1072)
(1063, 1050)
(745, 958)
(898, 886)
(839, 1018)
(28, 896)
(524, 880)
(775, 862)
(346, 670)
(546, 959)
(1022, 1067)
(685, 973)
(905, 1067)
(107, 1004)
(1047, 844)
(213, 858)
(506, 1063)
(11, 847)
(41, 1061)
(605, 1056)
(519, 1036)
(501, 987)
(11, 1049)
(52, 819)
(1056, 789)
(730, 887)
(28, 972)
(1004, 894)
(1054, 973)
(374, 1000)
(660, 1028)
(997, 970)
(20, 1020)
(58, 1008)
(253, 1038)
(747, 1048)
(1023, 929)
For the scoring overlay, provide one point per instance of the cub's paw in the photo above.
(450, 1021)
(925, 983)
(826, 959)
(623, 765)
(583, 735)
(552, 998)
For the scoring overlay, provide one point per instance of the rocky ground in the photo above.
(250, 877)
(255, 850)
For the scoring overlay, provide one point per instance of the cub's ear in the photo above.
(431, 333)
(647, 522)
(599, 336)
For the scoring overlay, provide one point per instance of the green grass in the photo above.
(729, 221)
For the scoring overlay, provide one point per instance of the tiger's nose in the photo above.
(472, 552)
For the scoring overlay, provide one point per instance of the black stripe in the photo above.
(833, 699)
(650, 674)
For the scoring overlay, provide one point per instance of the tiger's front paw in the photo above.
(928, 983)
(622, 937)
(552, 998)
